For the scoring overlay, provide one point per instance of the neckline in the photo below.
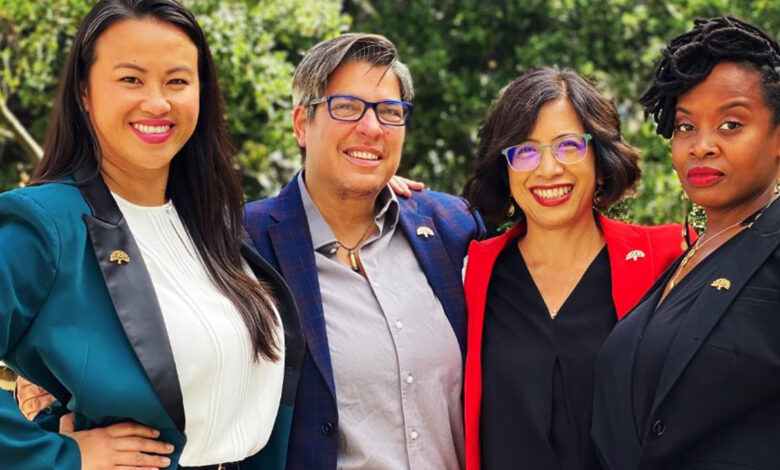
(602, 253)
(167, 207)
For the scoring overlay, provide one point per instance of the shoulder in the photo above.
(434, 201)
(259, 207)
(663, 242)
(288, 200)
(654, 232)
(50, 200)
(449, 212)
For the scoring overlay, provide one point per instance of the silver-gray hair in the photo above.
(312, 74)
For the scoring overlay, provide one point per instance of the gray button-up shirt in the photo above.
(396, 361)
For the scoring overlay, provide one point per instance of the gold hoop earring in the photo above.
(511, 211)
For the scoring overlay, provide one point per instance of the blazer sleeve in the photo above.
(29, 253)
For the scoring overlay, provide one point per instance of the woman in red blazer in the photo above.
(543, 296)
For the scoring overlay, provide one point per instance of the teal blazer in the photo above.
(89, 329)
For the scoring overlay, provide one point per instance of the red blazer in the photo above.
(637, 256)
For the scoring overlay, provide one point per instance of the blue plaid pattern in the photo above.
(280, 232)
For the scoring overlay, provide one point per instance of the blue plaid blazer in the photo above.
(280, 232)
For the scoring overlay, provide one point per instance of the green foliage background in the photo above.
(461, 54)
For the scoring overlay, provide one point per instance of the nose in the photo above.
(155, 103)
(369, 124)
(704, 144)
(549, 166)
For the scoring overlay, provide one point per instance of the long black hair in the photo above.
(203, 182)
(690, 57)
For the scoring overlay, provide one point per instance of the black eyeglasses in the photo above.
(351, 108)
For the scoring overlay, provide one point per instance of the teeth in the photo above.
(363, 155)
(553, 193)
(152, 129)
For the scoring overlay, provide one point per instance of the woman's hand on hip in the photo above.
(121, 446)
(31, 397)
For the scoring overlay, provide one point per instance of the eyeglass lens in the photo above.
(567, 149)
(352, 109)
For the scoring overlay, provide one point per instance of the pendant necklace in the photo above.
(351, 251)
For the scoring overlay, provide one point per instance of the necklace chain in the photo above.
(354, 263)
(699, 243)
(571, 281)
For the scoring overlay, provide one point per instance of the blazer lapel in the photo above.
(630, 260)
(294, 251)
(443, 277)
(756, 245)
(132, 293)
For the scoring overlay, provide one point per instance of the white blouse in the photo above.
(230, 402)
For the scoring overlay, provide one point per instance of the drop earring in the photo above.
(686, 235)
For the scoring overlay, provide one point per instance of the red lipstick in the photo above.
(151, 130)
(552, 195)
(702, 176)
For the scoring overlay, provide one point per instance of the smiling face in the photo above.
(555, 195)
(726, 147)
(351, 159)
(142, 96)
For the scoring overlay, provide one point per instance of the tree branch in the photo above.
(20, 135)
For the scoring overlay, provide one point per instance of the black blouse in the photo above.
(537, 373)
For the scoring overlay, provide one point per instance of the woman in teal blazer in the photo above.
(83, 310)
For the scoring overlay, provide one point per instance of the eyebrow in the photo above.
(735, 103)
(129, 65)
(564, 134)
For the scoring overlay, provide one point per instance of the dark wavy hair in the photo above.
(203, 182)
(690, 57)
(512, 119)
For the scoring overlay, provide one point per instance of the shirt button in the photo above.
(413, 435)
(659, 428)
(399, 324)
(409, 379)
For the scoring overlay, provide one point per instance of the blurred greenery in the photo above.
(461, 54)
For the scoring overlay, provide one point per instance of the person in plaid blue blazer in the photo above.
(350, 153)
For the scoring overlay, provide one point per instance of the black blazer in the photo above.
(717, 405)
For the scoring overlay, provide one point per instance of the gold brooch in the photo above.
(635, 255)
(721, 283)
(119, 257)
(424, 231)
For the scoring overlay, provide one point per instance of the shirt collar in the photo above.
(321, 234)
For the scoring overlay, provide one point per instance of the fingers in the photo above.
(125, 467)
(31, 397)
(140, 444)
(399, 187)
(67, 424)
(138, 459)
(127, 429)
(33, 406)
(415, 185)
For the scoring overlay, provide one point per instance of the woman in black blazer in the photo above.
(691, 378)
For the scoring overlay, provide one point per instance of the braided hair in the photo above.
(690, 57)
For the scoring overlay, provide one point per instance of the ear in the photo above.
(85, 96)
(300, 121)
